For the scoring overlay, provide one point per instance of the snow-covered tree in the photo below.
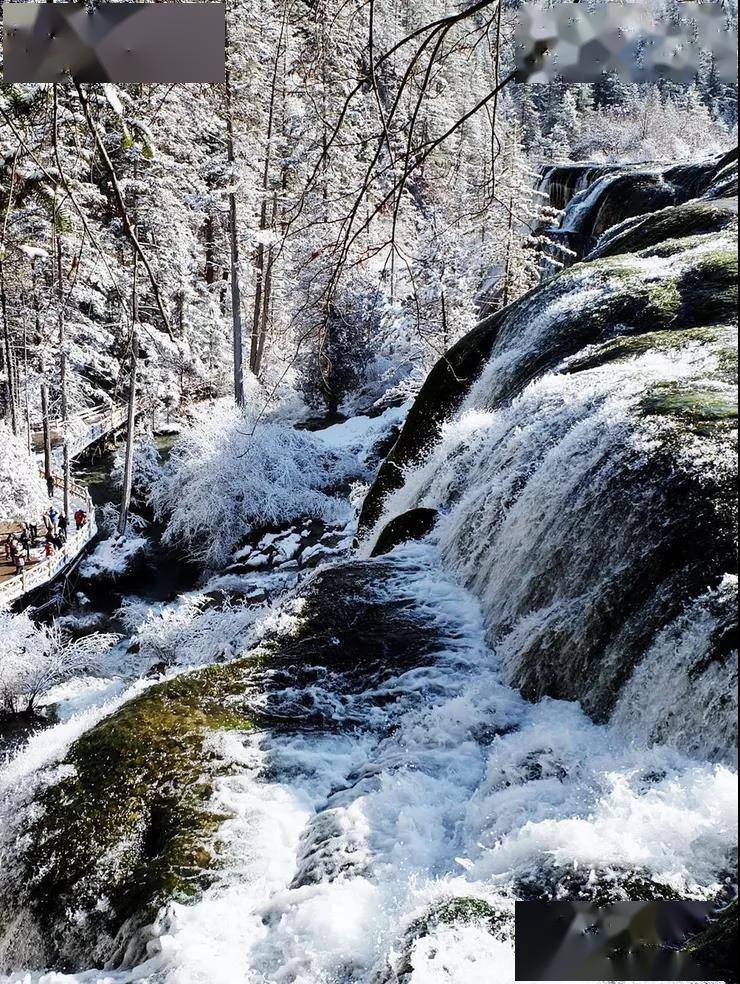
(22, 490)
(34, 658)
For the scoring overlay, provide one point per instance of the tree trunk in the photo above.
(209, 235)
(46, 427)
(128, 468)
(9, 367)
(236, 300)
(128, 471)
(63, 380)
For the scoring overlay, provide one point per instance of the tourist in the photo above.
(9, 540)
(53, 518)
(62, 524)
(33, 529)
(25, 539)
(80, 518)
(19, 560)
(49, 548)
(50, 484)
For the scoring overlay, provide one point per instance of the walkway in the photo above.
(41, 569)
(85, 428)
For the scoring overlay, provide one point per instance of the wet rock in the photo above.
(125, 822)
(716, 948)
(676, 222)
(411, 525)
(124, 827)
(456, 911)
(441, 395)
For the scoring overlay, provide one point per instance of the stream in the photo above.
(344, 767)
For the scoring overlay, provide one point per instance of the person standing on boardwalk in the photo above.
(18, 559)
(50, 484)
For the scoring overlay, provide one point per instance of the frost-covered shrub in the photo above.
(35, 658)
(22, 491)
(147, 467)
(228, 474)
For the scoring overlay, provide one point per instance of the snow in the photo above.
(360, 433)
(22, 491)
(423, 812)
(113, 556)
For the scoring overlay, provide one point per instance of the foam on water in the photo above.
(340, 845)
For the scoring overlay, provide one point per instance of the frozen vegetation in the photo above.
(413, 449)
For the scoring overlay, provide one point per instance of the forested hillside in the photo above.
(341, 188)
(368, 513)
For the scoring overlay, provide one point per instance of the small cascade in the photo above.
(595, 198)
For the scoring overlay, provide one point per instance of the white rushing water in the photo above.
(345, 852)
(458, 789)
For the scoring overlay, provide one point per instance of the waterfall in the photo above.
(585, 487)
(534, 702)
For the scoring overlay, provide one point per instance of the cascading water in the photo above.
(594, 199)
(401, 753)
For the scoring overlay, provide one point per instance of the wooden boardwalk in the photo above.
(41, 569)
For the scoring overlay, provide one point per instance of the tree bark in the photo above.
(236, 300)
(128, 469)
(9, 365)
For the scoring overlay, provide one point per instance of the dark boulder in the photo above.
(411, 525)
(693, 218)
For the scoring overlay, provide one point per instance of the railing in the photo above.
(109, 421)
(47, 570)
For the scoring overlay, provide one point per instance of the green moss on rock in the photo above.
(128, 825)
(720, 337)
(456, 911)
(699, 408)
(668, 228)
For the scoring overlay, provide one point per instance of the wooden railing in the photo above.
(46, 570)
(109, 420)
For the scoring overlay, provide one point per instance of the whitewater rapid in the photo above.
(455, 788)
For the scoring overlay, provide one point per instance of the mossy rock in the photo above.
(723, 338)
(128, 825)
(125, 823)
(709, 287)
(411, 525)
(676, 222)
(455, 911)
(701, 292)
